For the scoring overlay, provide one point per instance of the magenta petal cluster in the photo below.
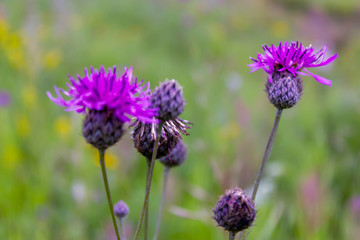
(292, 57)
(101, 90)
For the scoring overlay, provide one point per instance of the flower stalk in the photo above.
(266, 156)
(267, 152)
(232, 235)
(166, 177)
(146, 224)
(149, 180)
(122, 222)
(106, 184)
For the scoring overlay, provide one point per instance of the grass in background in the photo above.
(50, 184)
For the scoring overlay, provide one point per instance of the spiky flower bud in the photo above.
(102, 128)
(234, 211)
(169, 99)
(121, 209)
(285, 89)
(144, 136)
(176, 157)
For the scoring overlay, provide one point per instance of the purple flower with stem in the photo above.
(150, 138)
(284, 64)
(293, 57)
(121, 210)
(108, 101)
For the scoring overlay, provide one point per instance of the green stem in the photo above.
(232, 235)
(149, 180)
(146, 224)
(122, 222)
(267, 152)
(106, 183)
(266, 156)
(166, 174)
(242, 235)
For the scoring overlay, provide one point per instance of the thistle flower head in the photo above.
(144, 136)
(292, 57)
(121, 209)
(100, 90)
(176, 157)
(102, 129)
(234, 211)
(168, 99)
(285, 90)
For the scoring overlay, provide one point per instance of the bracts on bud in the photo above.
(168, 99)
(234, 211)
(144, 136)
(102, 128)
(285, 89)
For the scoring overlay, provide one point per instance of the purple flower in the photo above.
(101, 90)
(5, 99)
(169, 99)
(121, 209)
(177, 155)
(355, 206)
(235, 211)
(292, 57)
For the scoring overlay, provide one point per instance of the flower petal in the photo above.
(320, 79)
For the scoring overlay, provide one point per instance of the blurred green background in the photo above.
(50, 181)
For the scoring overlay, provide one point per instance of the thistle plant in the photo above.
(284, 64)
(108, 101)
(144, 137)
(235, 211)
(175, 158)
(157, 139)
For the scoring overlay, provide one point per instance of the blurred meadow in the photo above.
(50, 180)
